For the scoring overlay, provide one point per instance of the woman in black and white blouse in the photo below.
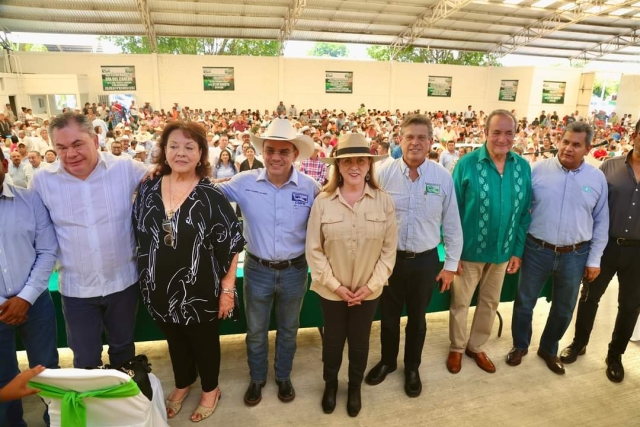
(188, 243)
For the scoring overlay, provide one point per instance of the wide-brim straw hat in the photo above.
(352, 145)
(282, 130)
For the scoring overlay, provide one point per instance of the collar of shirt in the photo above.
(102, 162)
(627, 157)
(293, 178)
(556, 161)
(368, 191)
(6, 190)
(405, 168)
(483, 155)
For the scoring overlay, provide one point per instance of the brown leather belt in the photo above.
(277, 265)
(621, 241)
(558, 249)
(409, 254)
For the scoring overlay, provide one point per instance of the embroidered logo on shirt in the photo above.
(586, 189)
(432, 189)
(300, 199)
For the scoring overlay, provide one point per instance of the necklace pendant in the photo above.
(169, 214)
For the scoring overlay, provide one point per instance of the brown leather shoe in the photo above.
(482, 361)
(514, 358)
(553, 362)
(454, 362)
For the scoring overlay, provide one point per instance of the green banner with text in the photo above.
(118, 78)
(218, 78)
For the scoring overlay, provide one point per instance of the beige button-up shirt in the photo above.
(351, 246)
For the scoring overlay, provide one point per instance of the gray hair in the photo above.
(63, 120)
(503, 113)
(580, 127)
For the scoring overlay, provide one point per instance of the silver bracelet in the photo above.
(229, 291)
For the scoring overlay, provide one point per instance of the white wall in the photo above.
(261, 82)
(629, 96)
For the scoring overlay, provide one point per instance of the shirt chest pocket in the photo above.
(375, 225)
(333, 227)
(430, 206)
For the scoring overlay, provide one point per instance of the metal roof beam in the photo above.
(80, 6)
(143, 8)
(554, 22)
(441, 10)
(612, 45)
(290, 19)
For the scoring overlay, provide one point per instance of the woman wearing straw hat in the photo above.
(351, 248)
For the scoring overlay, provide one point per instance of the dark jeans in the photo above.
(625, 261)
(264, 287)
(538, 264)
(352, 324)
(411, 283)
(194, 350)
(38, 334)
(87, 318)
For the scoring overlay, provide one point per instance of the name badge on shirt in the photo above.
(300, 199)
(432, 189)
(586, 189)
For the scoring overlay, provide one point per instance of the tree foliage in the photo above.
(28, 47)
(333, 50)
(433, 56)
(193, 46)
(610, 85)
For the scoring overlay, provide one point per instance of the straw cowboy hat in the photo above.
(281, 130)
(351, 145)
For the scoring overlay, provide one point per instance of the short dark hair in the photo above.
(191, 130)
(580, 127)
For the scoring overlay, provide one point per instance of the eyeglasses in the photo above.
(282, 153)
(168, 238)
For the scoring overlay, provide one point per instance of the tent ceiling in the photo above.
(607, 30)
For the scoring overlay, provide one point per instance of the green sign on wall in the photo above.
(553, 92)
(439, 86)
(508, 90)
(218, 78)
(118, 78)
(338, 82)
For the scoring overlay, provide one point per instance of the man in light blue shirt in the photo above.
(425, 202)
(567, 236)
(448, 157)
(27, 254)
(276, 203)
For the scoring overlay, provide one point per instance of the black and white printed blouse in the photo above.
(182, 259)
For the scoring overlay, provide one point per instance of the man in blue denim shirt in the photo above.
(276, 203)
(567, 236)
(27, 254)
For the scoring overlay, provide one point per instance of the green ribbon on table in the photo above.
(73, 411)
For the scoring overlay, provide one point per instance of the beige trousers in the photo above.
(489, 277)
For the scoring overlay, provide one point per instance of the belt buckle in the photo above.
(410, 254)
(274, 265)
(620, 241)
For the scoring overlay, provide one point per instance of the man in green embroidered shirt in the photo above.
(493, 187)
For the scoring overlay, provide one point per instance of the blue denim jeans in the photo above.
(538, 264)
(262, 287)
(38, 334)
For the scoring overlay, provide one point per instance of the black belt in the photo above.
(278, 265)
(558, 249)
(409, 254)
(621, 241)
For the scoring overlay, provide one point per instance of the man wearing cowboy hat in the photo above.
(276, 202)
(425, 201)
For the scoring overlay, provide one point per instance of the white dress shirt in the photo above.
(92, 219)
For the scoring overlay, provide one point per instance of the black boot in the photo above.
(329, 396)
(354, 403)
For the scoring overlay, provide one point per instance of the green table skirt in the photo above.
(311, 315)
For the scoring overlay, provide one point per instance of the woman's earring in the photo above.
(199, 163)
(367, 177)
(339, 178)
(166, 163)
